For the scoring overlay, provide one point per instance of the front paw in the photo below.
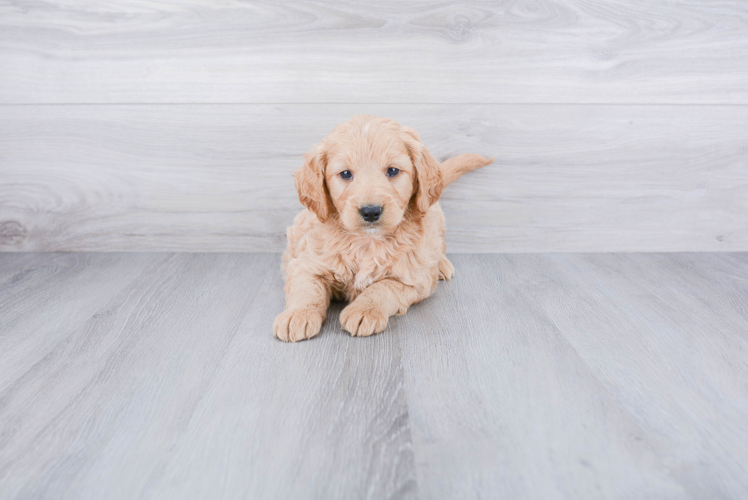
(361, 319)
(293, 325)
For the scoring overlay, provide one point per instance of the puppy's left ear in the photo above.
(429, 184)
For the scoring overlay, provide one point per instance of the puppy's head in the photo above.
(370, 173)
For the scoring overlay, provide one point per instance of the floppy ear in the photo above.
(310, 183)
(429, 183)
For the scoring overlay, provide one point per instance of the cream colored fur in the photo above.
(380, 268)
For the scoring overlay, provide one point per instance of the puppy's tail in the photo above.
(453, 168)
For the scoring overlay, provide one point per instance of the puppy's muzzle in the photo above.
(370, 213)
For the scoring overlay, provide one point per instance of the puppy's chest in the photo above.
(353, 276)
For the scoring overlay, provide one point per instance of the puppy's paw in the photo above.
(293, 325)
(446, 269)
(362, 319)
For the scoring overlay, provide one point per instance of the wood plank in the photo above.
(656, 344)
(44, 297)
(581, 376)
(556, 51)
(175, 388)
(527, 376)
(217, 178)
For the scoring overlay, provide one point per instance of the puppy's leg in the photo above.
(371, 310)
(307, 299)
(446, 269)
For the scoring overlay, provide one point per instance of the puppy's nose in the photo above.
(370, 213)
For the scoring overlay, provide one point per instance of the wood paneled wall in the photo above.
(141, 125)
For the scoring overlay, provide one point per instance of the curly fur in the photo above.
(379, 268)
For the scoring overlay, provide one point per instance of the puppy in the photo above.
(372, 232)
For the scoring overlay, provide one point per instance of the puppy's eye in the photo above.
(392, 172)
(346, 174)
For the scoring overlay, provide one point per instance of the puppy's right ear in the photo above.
(310, 183)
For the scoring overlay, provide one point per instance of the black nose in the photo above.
(370, 213)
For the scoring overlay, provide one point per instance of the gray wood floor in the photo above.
(528, 376)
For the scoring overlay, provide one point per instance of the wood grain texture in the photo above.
(218, 178)
(581, 376)
(167, 383)
(540, 51)
(528, 376)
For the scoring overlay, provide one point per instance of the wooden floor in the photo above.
(527, 376)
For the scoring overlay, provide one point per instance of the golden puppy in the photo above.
(372, 233)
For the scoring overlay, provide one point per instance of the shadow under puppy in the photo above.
(372, 232)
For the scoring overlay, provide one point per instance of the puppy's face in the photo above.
(371, 172)
(370, 177)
